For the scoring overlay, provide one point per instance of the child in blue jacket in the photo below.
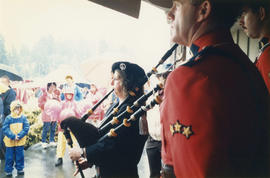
(15, 128)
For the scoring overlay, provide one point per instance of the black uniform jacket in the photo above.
(118, 156)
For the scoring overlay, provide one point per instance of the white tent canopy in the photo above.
(97, 71)
(61, 72)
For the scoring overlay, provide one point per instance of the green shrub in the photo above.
(36, 124)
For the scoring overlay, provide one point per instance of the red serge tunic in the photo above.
(214, 113)
(263, 62)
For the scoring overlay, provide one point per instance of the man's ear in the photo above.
(204, 11)
(262, 14)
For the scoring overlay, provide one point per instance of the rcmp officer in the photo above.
(255, 21)
(214, 121)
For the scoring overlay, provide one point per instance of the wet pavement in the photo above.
(39, 163)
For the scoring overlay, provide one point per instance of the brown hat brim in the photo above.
(162, 3)
(128, 7)
(132, 7)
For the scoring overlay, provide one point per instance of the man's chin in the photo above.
(174, 39)
(253, 36)
(179, 41)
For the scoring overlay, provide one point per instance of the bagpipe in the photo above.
(139, 111)
(88, 134)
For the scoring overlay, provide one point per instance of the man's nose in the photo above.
(241, 21)
(170, 15)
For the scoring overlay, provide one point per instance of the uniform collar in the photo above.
(211, 39)
(263, 42)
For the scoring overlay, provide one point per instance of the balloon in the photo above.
(52, 108)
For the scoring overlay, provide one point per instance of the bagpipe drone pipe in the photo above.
(87, 134)
(139, 112)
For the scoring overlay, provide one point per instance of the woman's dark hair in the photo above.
(50, 84)
(255, 5)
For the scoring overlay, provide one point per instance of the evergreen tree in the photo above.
(3, 55)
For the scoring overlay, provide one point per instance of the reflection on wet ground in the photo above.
(39, 163)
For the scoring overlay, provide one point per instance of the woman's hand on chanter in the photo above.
(83, 164)
(75, 154)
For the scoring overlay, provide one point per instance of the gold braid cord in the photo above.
(126, 124)
(155, 70)
(114, 121)
(129, 110)
(112, 133)
(115, 110)
(158, 99)
(132, 93)
(90, 111)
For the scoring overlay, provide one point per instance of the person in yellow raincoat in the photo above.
(15, 128)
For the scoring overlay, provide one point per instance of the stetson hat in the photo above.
(162, 3)
(132, 7)
(128, 7)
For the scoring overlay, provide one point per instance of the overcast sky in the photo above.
(24, 22)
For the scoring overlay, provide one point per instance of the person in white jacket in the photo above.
(153, 144)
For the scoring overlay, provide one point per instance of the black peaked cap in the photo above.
(134, 73)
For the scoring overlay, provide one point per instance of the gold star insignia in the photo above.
(177, 127)
(187, 132)
(172, 129)
(269, 75)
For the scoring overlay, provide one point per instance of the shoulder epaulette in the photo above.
(261, 51)
(199, 55)
(264, 47)
(208, 50)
